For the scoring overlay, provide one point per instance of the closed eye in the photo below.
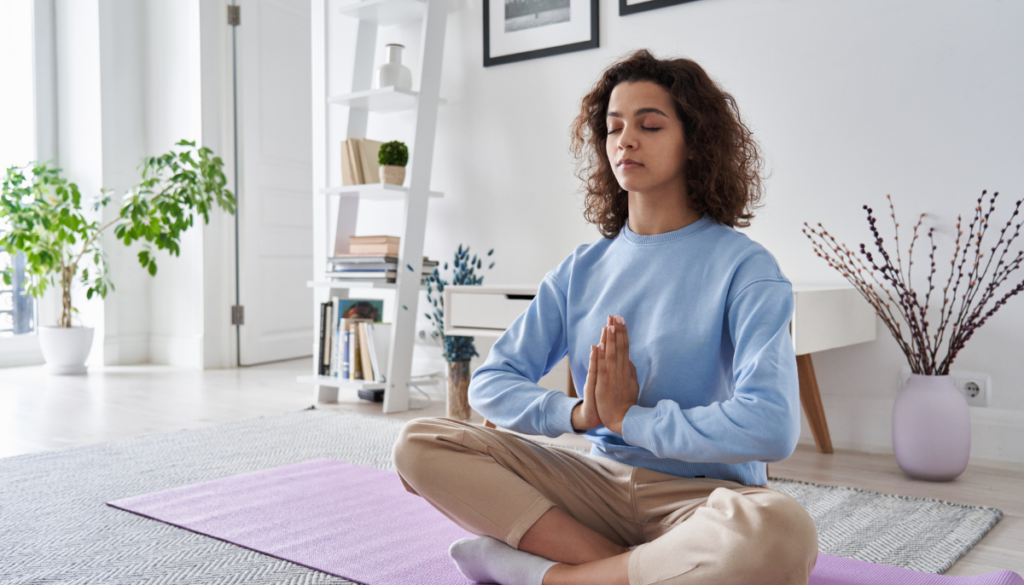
(642, 127)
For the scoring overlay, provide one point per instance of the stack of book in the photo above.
(353, 346)
(359, 161)
(372, 258)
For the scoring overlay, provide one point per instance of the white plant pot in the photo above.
(392, 174)
(393, 73)
(65, 348)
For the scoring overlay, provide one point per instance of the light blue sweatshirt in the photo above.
(707, 311)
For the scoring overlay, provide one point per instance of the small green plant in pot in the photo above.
(46, 222)
(392, 157)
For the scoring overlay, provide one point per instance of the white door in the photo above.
(275, 179)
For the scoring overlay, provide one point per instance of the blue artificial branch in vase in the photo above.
(456, 347)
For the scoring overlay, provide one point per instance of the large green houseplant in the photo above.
(44, 220)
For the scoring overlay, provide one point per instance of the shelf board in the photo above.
(352, 283)
(473, 332)
(384, 100)
(375, 191)
(341, 382)
(385, 12)
(333, 382)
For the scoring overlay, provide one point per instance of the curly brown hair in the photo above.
(723, 177)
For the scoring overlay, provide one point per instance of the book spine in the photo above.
(351, 353)
(323, 347)
(346, 168)
(372, 350)
(357, 162)
(346, 371)
(364, 352)
(332, 369)
(369, 150)
(357, 368)
(374, 239)
(388, 249)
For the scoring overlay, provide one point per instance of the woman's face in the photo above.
(643, 127)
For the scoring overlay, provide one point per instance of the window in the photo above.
(17, 143)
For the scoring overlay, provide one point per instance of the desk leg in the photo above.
(811, 400)
(571, 386)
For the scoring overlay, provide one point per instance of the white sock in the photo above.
(489, 560)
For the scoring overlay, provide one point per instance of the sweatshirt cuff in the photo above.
(558, 414)
(636, 425)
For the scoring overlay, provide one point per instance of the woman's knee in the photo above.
(787, 539)
(417, 438)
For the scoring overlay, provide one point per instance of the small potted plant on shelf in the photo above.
(393, 157)
(931, 422)
(458, 350)
(45, 222)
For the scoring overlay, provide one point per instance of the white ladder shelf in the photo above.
(363, 100)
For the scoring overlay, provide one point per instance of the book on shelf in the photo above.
(353, 352)
(387, 245)
(359, 163)
(355, 169)
(371, 258)
(352, 345)
(334, 277)
(365, 363)
(325, 335)
(374, 239)
(375, 261)
(371, 309)
(379, 342)
(364, 258)
(390, 249)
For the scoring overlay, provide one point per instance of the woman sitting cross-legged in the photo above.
(676, 327)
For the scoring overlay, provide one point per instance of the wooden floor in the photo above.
(39, 412)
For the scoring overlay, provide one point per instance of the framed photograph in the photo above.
(634, 6)
(516, 30)
(361, 309)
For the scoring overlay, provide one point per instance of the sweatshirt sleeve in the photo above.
(761, 421)
(504, 388)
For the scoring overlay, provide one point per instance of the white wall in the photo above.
(173, 112)
(129, 86)
(123, 120)
(850, 100)
(79, 127)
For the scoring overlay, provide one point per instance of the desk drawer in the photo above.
(487, 311)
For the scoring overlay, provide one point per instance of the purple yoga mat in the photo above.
(360, 524)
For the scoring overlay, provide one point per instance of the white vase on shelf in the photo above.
(393, 73)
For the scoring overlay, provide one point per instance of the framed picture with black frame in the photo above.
(634, 6)
(517, 30)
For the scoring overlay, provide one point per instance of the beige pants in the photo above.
(690, 530)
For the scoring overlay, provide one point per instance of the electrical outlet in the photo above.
(427, 335)
(975, 386)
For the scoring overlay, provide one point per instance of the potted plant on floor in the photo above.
(458, 350)
(46, 222)
(931, 423)
(392, 158)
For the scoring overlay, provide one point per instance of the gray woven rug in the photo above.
(55, 528)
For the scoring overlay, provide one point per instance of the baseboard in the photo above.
(865, 424)
(10, 358)
(177, 350)
(124, 350)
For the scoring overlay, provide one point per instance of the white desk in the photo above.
(824, 317)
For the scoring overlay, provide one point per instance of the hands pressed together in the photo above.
(612, 385)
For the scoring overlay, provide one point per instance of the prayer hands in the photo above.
(611, 386)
